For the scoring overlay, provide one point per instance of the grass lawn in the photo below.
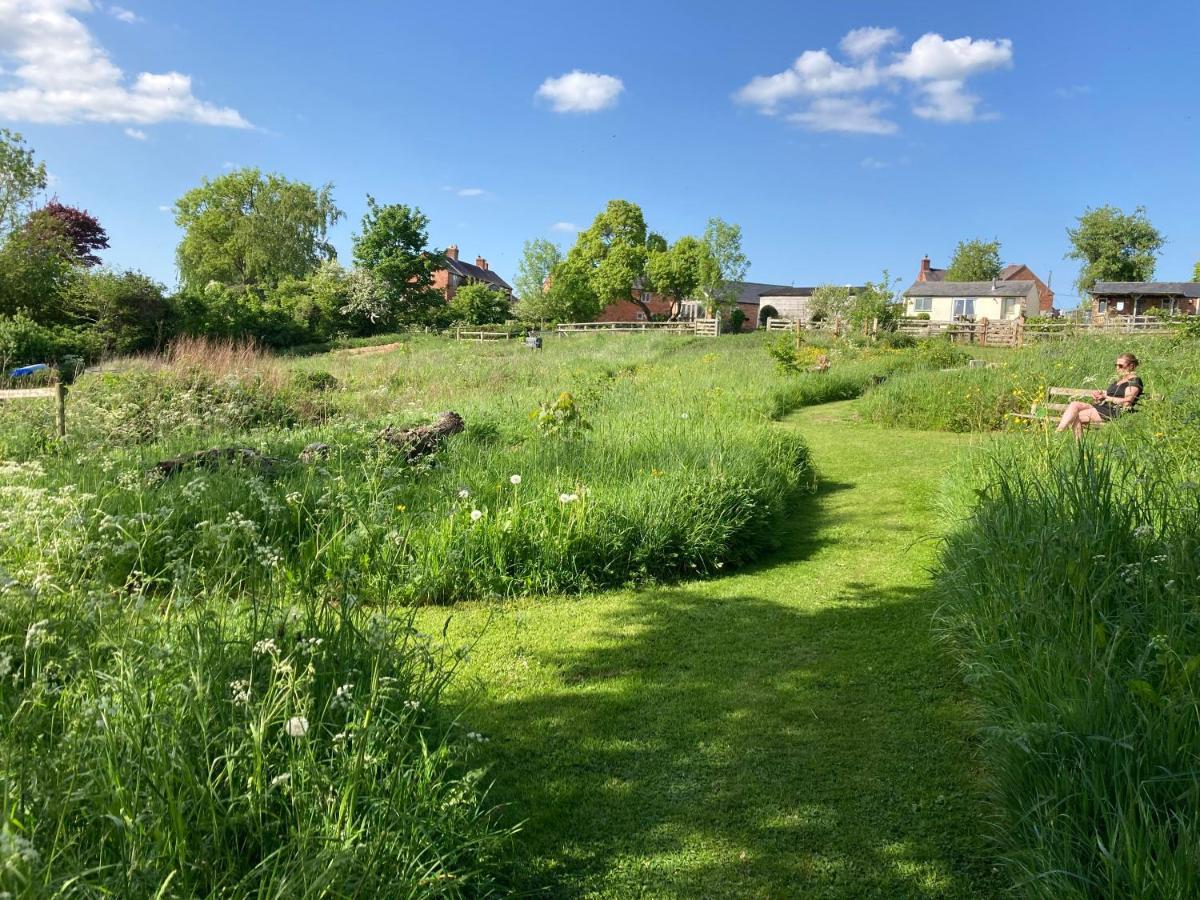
(791, 730)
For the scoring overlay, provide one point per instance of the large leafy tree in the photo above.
(478, 304)
(394, 248)
(975, 260)
(726, 265)
(569, 298)
(678, 272)
(249, 231)
(1113, 246)
(38, 270)
(126, 310)
(611, 254)
(22, 178)
(532, 284)
(1196, 272)
(81, 229)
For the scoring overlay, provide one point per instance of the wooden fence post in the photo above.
(981, 334)
(60, 409)
(1019, 332)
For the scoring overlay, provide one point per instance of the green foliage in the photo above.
(562, 418)
(1068, 596)
(737, 319)
(249, 231)
(479, 304)
(38, 270)
(975, 260)
(393, 248)
(24, 341)
(570, 297)
(723, 266)
(611, 254)
(829, 302)
(1113, 246)
(538, 261)
(678, 273)
(874, 304)
(128, 310)
(21, 179)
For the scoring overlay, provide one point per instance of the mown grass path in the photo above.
(788, 731)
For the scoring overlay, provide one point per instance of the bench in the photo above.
(1047, 410)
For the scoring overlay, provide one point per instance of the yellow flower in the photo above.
(401, 507)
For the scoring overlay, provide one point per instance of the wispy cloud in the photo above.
(872, 163)
(125, 15)
(136, 133)
(63, 75)
(581, 92)
(825, 94)
(164, 208)
(567, 227)
(1070, 92)
(470, 192)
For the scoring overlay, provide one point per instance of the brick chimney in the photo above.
(923, 275)
(481, 262)
(452, 251)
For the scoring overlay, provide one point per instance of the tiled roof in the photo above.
(467, 270)
(1189, 289)
(970, 289)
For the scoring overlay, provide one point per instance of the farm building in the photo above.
(944, 301)
(1011, 272)
(1134, 298)
(791, 302)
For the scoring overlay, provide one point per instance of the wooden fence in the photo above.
(706, 327)
(461, 334)
(57, 392)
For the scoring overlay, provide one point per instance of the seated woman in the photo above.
(1120, 397)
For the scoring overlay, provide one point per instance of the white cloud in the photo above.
(136, 133)
(470, 192)
(227, 165)
(872, 163)
(848, 114)
(125, 15)
(63, 75)
(865, 43)
(581, 91)
(164, 209)
(823, 94)
(565, 227)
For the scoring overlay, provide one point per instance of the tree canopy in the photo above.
(82, 230)
(393, 247)
(726, 265)
(611, 254)
(248, 230)
(478, 304)
(538, 259)
(975, 260)
(1113, 246)
(22, 178)
(678, 272)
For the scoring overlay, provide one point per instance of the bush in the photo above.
(23, 341)
(737, 318)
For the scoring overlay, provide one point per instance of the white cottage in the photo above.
(945, 301)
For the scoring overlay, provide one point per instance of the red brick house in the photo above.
(1012, 272)
(458, 273)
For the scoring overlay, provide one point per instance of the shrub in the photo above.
(23, 341)
(737, 318)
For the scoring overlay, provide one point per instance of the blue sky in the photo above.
(929, 124)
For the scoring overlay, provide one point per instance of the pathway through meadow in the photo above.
(788, 731)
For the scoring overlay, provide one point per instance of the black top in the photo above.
(1118, 389)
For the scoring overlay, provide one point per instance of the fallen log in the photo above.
(423, 440)
(213, 456)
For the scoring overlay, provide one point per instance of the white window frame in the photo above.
(964, 306)
(922, 304)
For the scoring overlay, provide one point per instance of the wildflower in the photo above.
(475, 736)
(514, 479)
(281, 780)
(414, 705)
(344, 696)
(567, 498)
(266, 647)
(309, 645)
(400, 507)
(293, 498)
(476, 515)
(296, 727)
(683, 415)
(1142, 531)
(5, 664)
(14, 848)
(37, 634)
(463, 493)
(240, 691)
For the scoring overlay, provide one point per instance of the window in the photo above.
(964, 306)
(641, 316)
(922, 304)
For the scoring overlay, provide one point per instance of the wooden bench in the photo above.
(1050, 410)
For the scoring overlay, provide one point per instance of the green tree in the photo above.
(725, 265)
(538, 259)
(127, 311)
(677, 273)
(478, 304)
(875, 303)
(830, 301)
(394, 248)
(975, 260)
(249, 231)
(38, 270)
(570, 297)
(612, 253)
(1196, 272)
(1113, 246)
(21, 179)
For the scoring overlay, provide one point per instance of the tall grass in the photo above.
(1070, 588)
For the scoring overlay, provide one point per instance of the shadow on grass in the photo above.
(710, 743)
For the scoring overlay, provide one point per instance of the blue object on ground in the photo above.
(28, 370)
